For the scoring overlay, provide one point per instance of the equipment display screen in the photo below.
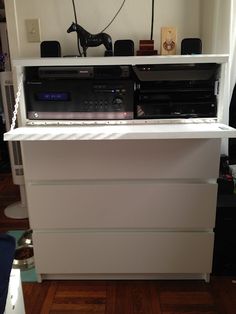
(53, 96)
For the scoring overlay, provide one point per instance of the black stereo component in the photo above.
(176, 91)
(164, 91)
(51, 48)
(124, 47)
(79, 92)
(191, 46)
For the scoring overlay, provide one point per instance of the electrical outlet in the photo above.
(32, 30)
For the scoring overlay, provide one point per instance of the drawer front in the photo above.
(123, 253)
(149, 159)
(122, 205)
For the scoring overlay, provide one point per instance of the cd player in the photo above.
(87, 93)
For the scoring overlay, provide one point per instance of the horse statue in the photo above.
(91, 40)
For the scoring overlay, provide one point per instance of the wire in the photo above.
(73, 3)
(78, 45)
(152, 21)
(17, 101)
(112, 20)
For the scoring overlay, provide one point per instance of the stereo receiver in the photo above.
(79, 92)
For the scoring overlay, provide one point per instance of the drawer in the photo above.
(149, 159)
(124, 204)
(122, 252)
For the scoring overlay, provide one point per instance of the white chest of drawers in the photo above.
(122, 201)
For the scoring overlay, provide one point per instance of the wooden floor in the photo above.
(132, 297)
(118, 297)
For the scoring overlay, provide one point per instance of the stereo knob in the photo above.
(117, 100)
(117, 103)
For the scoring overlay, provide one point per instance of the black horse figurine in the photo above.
(91, 40)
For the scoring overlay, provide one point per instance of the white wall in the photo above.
(233, 47)
(215, 25)
(133, 22)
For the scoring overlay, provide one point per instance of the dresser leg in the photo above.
(207, 277)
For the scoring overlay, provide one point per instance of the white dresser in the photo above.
(124, 200)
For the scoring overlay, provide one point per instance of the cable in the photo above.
(114, 16)
(152, 21)
(78, 45)
(73, 3)
(17, 101)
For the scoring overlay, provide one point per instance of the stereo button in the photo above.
(117, 103)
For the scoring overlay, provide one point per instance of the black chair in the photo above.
(7, 252)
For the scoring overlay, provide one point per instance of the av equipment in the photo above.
(124, 47)
(190, 46)
(79, 92)
(115, 92)
(176, 91)
(50, 49)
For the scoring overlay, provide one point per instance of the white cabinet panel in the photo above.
(123, 252)
(119, 130)
(122, 205)
(147, 159)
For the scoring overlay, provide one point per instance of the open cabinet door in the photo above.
(122, 132)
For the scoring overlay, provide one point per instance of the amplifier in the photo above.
(79, 92)
(176, 91)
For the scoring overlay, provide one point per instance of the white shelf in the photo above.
(121, 132)
(180, 59)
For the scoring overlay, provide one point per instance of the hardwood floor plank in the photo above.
(122, 304)
(133, 297)
(86, 284)
(49, 299)
(74, 312)
(224, 292)
(183, 285)
(81, 293)
(191, 311)
(141, 297)
(186, 298)
(155, 297)
(80, 300)
(111, 297)
(37, 296)
(81, 308)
